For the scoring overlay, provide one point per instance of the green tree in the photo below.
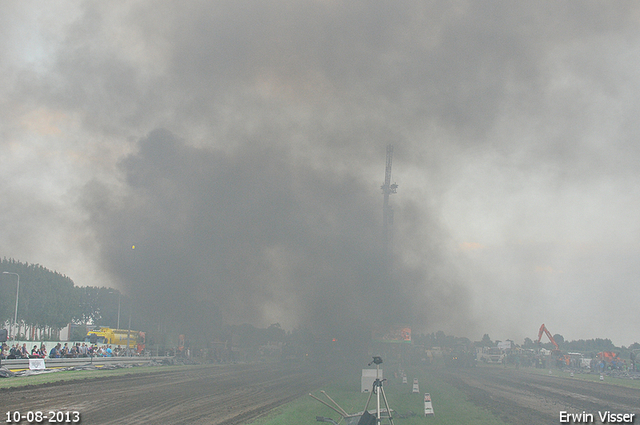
(559, 339)
(46, 298)
(486, 341)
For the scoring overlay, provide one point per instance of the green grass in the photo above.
(449, 404)
(72, 375)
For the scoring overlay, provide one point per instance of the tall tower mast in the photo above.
(387, 211)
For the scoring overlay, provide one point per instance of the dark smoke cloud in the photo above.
(253, 237)
(515, 132)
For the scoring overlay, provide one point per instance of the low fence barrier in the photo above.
(20, 364)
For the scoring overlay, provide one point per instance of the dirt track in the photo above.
(236, 394)
(523, 398)
(231, 394)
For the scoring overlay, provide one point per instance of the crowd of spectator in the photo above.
(59, 351)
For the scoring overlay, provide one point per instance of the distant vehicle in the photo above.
(492, 355)
(462, 357)
(578, 360)
(610, 358)
(136, 339)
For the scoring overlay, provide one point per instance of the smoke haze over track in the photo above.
(239, 146)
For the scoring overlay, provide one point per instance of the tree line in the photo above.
(48, 301)
(585, 346)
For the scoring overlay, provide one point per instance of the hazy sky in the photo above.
(240, 146)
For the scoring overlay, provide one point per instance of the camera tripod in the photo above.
(379, 390)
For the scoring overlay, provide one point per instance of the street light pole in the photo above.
(15, 316)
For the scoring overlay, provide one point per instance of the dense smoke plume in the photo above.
(200, 235)
(239, 146)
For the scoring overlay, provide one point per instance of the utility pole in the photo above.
(15, 317)
(387, 211)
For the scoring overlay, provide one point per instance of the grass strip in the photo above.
(72, 375)
(450, 405)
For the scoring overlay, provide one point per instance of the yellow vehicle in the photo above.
(117, 337)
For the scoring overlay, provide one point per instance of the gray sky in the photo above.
(240, 146)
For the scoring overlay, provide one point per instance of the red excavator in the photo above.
(544, 329)
(557, 354)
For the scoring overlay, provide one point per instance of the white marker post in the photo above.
(428, 407)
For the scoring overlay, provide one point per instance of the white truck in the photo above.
(493, 355)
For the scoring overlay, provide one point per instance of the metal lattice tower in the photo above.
(387, 211)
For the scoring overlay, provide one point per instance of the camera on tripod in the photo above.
(378, 390)
(376, 360)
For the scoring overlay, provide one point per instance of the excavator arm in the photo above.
(544, 329)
